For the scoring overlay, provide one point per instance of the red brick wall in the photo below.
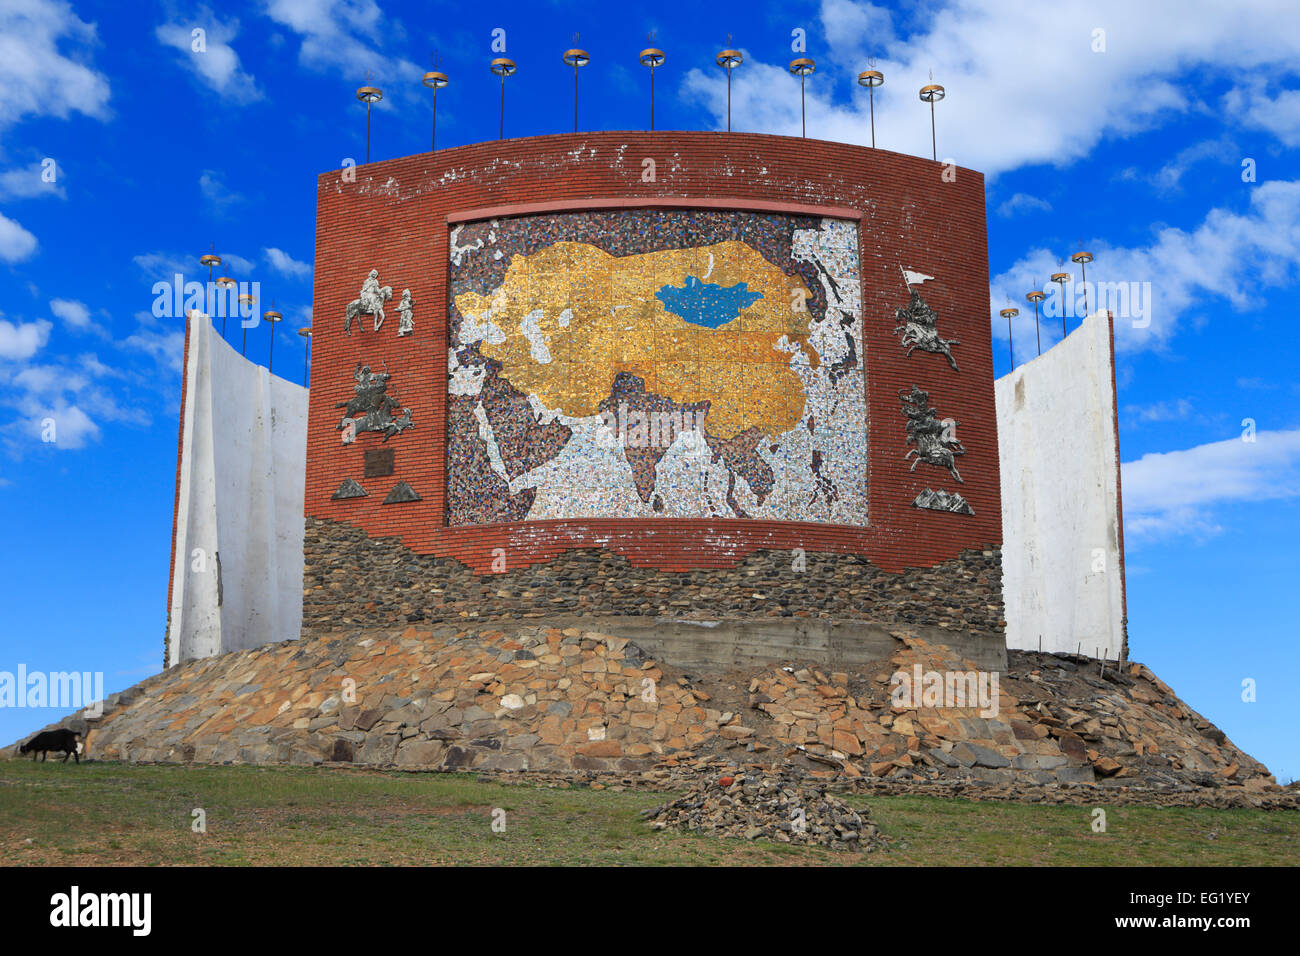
(394, 218)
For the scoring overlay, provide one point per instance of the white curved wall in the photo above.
(1062, 570)
(237, 574)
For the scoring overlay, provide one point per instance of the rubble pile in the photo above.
(778, 806)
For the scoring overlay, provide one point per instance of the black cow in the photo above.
(43, 743)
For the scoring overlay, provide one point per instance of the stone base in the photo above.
(726, 643)
(535, 698)
(352, 580)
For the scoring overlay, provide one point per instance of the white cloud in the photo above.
(40, 393)
(1052, 102)
(237, 264)
(1255, 382)
(849, 26)
(20, 341)
(285, 264)
(49, 380)
(1170, 493)
(91, 364)
(1170, 176)
(1171, 411)
(217, 65)
(82, 394)
(28, 182)
(74, 313)
(1252, 107)
(73, 428)
(16, 243)
(1230, 255)
(1023, 202)
(164, 346)
(163, 266)
(215, 191)
(348, 37)
(39, 78)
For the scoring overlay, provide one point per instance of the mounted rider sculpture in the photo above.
(371, 302)
(371, 408)
(935, 438)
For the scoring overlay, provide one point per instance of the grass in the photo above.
(107, 813)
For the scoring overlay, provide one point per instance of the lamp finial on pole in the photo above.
(802, 67)
(369, 94)
(932, 93)
(871, 78)
(654, 58)
(576, 58)
(729, 59)
(435, 80)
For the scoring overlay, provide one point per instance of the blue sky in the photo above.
(1138, 141)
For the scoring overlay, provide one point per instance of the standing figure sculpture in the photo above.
(406, 309)
(370, 302)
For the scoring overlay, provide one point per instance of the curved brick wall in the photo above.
(397, 217)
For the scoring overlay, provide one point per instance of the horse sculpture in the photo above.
(368, 304)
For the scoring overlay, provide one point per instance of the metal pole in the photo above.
(575, 97)
(803, 118)
(369, 95)
(872, 92)
(652, 99)
(728, 99)
(1060, 279)
(270, 358)
(934, 149)
(1084, 267)
(306, 356)
(433, 140)
(225, 306)
(1037, 335)
(1011, 348)
(501, 134)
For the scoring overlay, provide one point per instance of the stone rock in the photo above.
(735, 732)
(420, 753)
(525, 696)
(1082, 774)
(601, 748)
(784, 807)
(1106, 766)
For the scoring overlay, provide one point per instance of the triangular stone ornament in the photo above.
(349, 489)
(401, 492)
(943, 501)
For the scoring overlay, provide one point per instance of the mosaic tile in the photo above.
(665, 349)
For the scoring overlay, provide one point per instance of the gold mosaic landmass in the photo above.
(615, 323)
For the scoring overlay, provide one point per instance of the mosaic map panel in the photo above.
(646, 363)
